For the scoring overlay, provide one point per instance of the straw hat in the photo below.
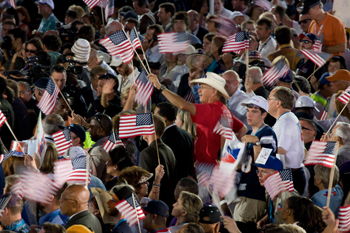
(215, 81)
(102, 197)
(199, 53)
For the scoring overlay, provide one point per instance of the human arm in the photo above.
(338, 48)
(159, 173)
(252, 139)
(107, 90)
(241, 132)
(173, 98)
(262, 222)
(131, 97)
(230, 224)
(329, 219)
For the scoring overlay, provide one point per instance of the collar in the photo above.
(101, 139)
(266, 41)
(284, 46)
(161, 230)
(196, 31)
(15, 225)
(169, 127)
(75, 214)
(48, 17)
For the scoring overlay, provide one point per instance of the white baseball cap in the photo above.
(236, 14)
(258, 101)
(116, 61)
(305, 102)
(47, 2)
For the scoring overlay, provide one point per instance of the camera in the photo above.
(67, 33)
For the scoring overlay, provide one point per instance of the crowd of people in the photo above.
(194, 90)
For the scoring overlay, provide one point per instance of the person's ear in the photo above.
(289, 212)
(184, 212)
(217, 227)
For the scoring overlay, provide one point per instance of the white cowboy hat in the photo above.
(215, 81)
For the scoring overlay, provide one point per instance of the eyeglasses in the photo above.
(271, 99)
(303, 21)
(30, 51)
(98, 119)
(302, 127)
(306, 41)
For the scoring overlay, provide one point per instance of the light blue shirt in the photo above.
(48, 24)
(320, 199)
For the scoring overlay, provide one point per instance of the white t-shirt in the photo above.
(289, 137)
(269, 46)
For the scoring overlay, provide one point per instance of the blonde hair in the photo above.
(187, 125)
(192, 204)
(51, 155)
(80, 11)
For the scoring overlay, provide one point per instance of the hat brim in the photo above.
(213, 85)
(106, 218)
(189, 59)
(304, 10)
(332, 78)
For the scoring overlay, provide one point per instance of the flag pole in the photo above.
(313, 72)
(138, 221)
(135, 52)
(155, 135)
(337, 117)
(64, 98)
(101, 12)
(8, 126)
(247, 62)
(144, 54)
(115, 140)
(330, 183)
(87, 171)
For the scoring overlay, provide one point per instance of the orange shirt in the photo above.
(332, 28)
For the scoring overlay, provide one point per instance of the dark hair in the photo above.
(168, 7)
(10, 94)
(57, 69)
(210, 17)
(3, 85)
(197, 5)
(121, 157)
(87, 32)
(71, 14)
(91, 18)
(77, 22)
(52, 42)
(261, 109)
(303, 84)
(134, 21)
(157, 29)
(267, 22)
(192, 227)
(209, 36)
(282, 34)
(107, 76)
(125, 9)
(306, 213)
(167, 110)
(159, 125)
(9, 23)
(140, 3)
(189, 185)
(280, 11)
(106, 123)
(13, 85)
(43, 58)
(12, 11)
(18, 33)
(98, 70)
(53, 228)
(36, 42)
(182, 15)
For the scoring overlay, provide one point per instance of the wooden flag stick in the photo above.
(62, 95)
(247, 62)
(155, 135)
(330, 128)
(138, 221)
(144, 54)
(14, 135)
(133, 73)
(136, 52)
(331, 176)
(102, 14)
(313, 72)
(87, 171)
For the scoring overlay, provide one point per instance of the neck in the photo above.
(264, 40)
(139, 196)
(14, 218)
(50, 208)
(18, 48)
(151, 138)
(165, 23)
(319, 18)
(46, 15)
(167, 123)
(324, 93)
(256, 86)
(180, 220)
(287, 21)
(216, 55)
(156, 227)
(290, 220)
(115, 173)
(128, 73)
(256, 127)
(118, 217)
(172, 65)
(78, 211)
(280, 112)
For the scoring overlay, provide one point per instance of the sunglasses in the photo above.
(30, 51)
(306, 41)
(303, 21)
(98, 119)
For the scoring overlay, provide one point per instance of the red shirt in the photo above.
(207, 116)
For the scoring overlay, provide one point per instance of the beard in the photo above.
(113, 212)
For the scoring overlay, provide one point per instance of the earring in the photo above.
(153, 222)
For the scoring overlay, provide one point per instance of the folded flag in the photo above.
(321, 153)
(345, 96)
(136, 125)
(318, 58)
(112, 142)
(129, 207)
(275, 72)
(48, 100)
(62, 140)
(204, 171)
(144, 89)
(119, 45)
(237, 42)
(172, 42)
(278, 182)
(344, 219)
(2, 118)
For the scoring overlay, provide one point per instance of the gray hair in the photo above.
(256, 78)
(25, 84)
(51, 123)
(343, 131)
(323, 173)
(41, 90)
(234, 73)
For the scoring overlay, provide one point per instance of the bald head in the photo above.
(74, 200)
(232, 81)
(113, 27)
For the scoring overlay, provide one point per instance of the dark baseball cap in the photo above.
(209, 212)
(271, 163)
(311, 36)
(78, 130)
(41, 82)
(130, 14)
(157, 207)
(288, 77)
(307, 4)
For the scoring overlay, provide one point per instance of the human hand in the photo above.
(166, 82)
(103, 31)
(154, 80)
(249, 139)
(248, 84)
(313, 82)
(159, 173)
(132, 92)
(328, 216)
(325, 137)
(30, 162)
(108, 86)
(146, 44)
(230, 224)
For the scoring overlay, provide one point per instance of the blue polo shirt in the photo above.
(48, 24)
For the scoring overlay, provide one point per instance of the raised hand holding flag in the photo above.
(322, 153)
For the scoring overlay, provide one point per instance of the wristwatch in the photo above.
(162, 88)
(257, 143)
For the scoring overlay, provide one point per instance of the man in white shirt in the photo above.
(267, 43)
(127, 74)
(236, 95)
(288, 131)
(219, 8)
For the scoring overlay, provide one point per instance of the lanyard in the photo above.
(261, 126)
(281, 116)
(267, 41)
(18, 225)
(319, 30)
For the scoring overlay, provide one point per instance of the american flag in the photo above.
(119, 45)
(345, 96)
(62, 140)
(324, 115)
(78, 176)
(224, 131)
(189, 97)
(344, 219)
(321, 153)
(264, 4)
(144, 89)
(112, 142)
(222, 178)
(135, 39)
(47, 102)
(62, 169)
(109, 8)
(12, 3)
(237, 42)
(254, 55)
(91, 3)
(278, 70)
(279, 182)
(16, 188)
(318, 44)
(127, 208)
(4, 199)
(318, 58)
(204, 171)
(2, 118)
(172, 42)
(7, 155)
(227, 26)
(135, 125)
(40, 140)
